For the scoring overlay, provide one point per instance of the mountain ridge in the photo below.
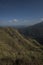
(34, 31)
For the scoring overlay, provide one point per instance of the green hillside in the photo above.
(17, 50)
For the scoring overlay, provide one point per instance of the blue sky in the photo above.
(21, 12)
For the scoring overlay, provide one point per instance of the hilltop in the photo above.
(17, 50)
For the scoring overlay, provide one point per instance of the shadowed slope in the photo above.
(34, 31)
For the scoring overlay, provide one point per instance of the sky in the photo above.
(21, 12)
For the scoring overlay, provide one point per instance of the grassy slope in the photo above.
(19, 50)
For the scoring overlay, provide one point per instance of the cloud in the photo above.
(13, 21)
(41, 19)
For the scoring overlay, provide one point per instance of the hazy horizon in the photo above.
(21, 12)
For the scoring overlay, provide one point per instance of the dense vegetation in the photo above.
(17, 50)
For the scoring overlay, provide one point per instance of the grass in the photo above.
(17, 50)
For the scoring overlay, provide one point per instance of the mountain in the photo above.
(34, 31)
(17, 50)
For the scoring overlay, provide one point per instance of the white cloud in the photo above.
(41, 19)
(13, 21)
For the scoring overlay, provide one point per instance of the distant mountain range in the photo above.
(34, 31)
